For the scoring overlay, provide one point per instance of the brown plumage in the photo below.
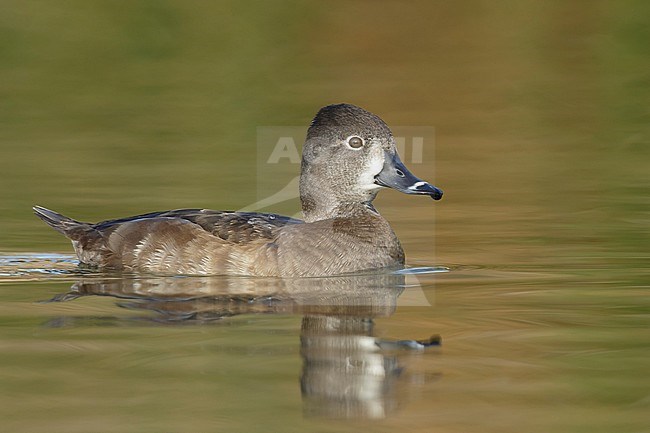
(342, 232)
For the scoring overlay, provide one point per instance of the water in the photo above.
(532, 272)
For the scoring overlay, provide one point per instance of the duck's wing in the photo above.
(184, 241)
(235, 227)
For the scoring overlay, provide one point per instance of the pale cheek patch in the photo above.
(373, 167)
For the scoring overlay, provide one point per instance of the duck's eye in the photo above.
(355, 142)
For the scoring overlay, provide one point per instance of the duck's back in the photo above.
(207, 242)
(184, 241)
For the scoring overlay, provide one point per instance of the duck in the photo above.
(349, 155)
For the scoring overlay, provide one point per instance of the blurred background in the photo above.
(541, 113)
(111, 108)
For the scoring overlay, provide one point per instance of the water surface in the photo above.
(531, 273)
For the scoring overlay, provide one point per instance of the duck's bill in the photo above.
(395, 175)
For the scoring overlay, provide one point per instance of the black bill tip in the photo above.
(422, 187)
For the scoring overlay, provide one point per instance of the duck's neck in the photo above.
(321, 201)
(314, 210)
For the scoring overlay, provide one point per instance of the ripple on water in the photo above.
(45, 265)
(37, 266)
(420, 270)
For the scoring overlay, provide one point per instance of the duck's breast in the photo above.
(337, 246)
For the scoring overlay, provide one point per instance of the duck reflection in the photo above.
(347, 372)
(209, 298)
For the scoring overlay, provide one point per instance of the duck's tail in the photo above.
(61, 223)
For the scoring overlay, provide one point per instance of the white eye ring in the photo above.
(355, 142)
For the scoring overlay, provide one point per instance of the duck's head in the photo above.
(349, 155)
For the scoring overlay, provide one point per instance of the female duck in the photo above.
(349, 155)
